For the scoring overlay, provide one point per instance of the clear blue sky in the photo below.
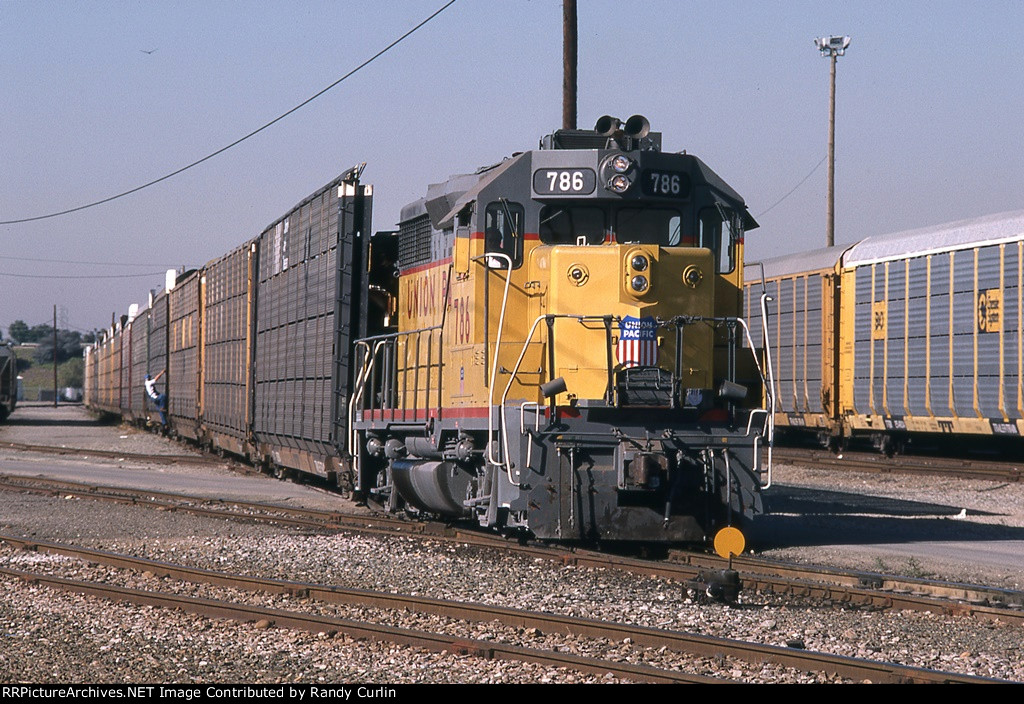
(930, 116)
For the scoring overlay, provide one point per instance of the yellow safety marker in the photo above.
(729, 542)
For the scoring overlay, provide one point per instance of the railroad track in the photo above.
(854, 588)
(227, 509)
(876, 463)
(871, 589)
(115, 455)
(680, 642)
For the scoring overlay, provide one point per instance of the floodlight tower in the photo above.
(833, 47)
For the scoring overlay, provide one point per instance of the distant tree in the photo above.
(18, 330)
(41, 333)
(69, 344)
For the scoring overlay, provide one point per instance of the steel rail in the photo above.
(693, 644)
(962, 468)
(274, 513)
(113, 454)
(753, 568)
(358, 630)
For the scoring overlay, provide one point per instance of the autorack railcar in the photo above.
(550, 345)
(916, 333)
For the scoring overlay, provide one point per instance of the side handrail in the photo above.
(770, 391)
(371, 347)
(369, 359)
(494, 364)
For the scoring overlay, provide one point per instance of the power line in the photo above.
(75, 261)
(241, 139)
(794, 187)
(84, 276)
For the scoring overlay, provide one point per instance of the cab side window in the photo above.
(718, 232)
(503, 230)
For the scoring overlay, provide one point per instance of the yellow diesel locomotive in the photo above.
(568, 348)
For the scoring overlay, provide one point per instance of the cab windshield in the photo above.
(567, 224)
(718, 228)
(660, 226)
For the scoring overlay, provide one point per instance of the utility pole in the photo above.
(54, 355)
(569, 42)
(832, 47)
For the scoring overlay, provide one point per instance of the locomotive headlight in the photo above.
(639, 262)
(578, 274)
(639, 283)
(619, 183)
(692, 276)
(621, 164)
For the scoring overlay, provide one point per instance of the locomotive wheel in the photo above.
(730, 542)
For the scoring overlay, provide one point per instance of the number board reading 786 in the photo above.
(564, 182)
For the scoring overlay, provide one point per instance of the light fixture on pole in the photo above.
(833, 47)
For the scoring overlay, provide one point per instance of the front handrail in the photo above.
(766, 375)
(512, 379)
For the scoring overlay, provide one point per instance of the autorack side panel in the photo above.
(860, 318)
(940, 400)
(158, 349)
(1012, 352)
(227, 341)
(895, 344)
(803, 314)
(963, 354)
(916, 360)
(309, 265)
(100, 379)
(114, 380)
(183, 355)
(125, 376)
(109, 386)
(936, 343)
(139, 332)
(89, 381)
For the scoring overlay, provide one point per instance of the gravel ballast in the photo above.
(50, 636)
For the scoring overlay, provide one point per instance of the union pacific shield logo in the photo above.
(638, 342)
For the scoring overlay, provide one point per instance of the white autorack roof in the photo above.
(963, 234)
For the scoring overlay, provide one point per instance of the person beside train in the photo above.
(158, 398)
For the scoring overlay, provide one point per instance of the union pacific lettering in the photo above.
(423, 291)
